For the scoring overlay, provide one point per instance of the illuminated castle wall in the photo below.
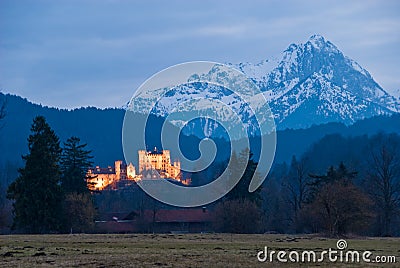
(160, 161)
(100, 178)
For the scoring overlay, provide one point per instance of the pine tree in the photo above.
(78, 206)
(341, 174)
(37, 192)
(240, 191)
(240, 211)
(75, 161)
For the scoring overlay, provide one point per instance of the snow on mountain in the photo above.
(315, 83)
(212, 102)
(312, 83)
(258, 71)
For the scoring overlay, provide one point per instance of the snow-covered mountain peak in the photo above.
(319, 64)
(318, 42)
(310, 83)
(316, 74)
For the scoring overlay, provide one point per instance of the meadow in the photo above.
(175, 250)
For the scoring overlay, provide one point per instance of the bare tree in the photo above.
(340, 208)
(297, 188)
(155, 207)
(385, 177)
(337, 205)
(80, 212)
(4, 203)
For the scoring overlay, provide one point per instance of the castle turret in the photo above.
(142, 160)
(131, 172)
(118, 164)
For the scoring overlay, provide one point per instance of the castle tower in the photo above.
(118, 164)
(143, 161)
(177, 169)
(161, 161)
(131, 172)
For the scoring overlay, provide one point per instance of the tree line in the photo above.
(339, 186)
(360, 195)
(50, 194)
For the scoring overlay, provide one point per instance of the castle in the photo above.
(160, 161)
(101, 178)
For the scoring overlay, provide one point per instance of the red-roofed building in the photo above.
(192, 220)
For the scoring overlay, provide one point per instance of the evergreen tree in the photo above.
(241, 189)
(37, 192)
(341, 174)
(240, 211)
(78, 206)
(75, 161)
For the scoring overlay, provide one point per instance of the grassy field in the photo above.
(174, 250)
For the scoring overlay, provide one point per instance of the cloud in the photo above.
(231, 30)
(50, 48)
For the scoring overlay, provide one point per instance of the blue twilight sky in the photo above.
(70, 53)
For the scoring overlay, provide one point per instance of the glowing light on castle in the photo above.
(149, 162)
(160, 161)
